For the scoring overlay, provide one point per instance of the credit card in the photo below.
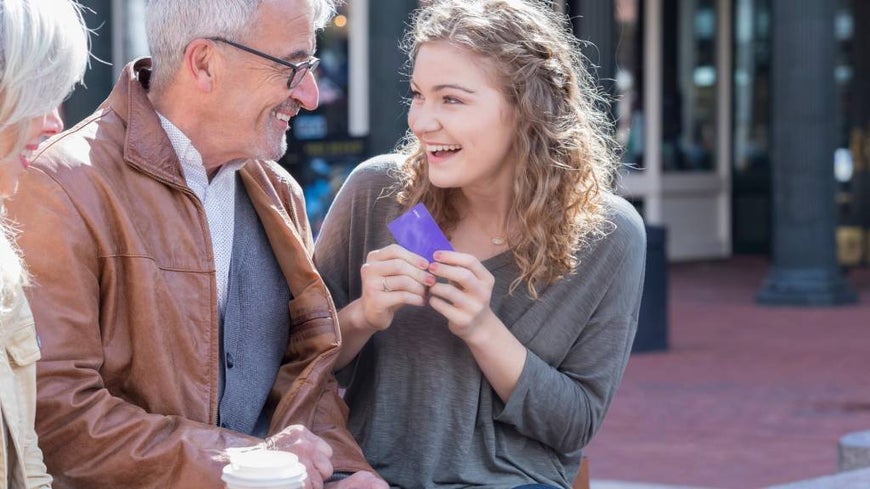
(417, 231)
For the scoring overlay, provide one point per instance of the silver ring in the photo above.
(386, 287)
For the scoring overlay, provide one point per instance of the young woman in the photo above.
(494, 364)
(43, 54)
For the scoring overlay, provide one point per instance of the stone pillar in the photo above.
(804, 270)
(388, 75)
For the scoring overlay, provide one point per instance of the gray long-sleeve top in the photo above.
(422, 411)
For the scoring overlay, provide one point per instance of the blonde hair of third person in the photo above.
(43, 54)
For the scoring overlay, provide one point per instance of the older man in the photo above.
(179, 310)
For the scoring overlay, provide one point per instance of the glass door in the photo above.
(683, 114)
(751, 182)
(689, 86)
(695, 110)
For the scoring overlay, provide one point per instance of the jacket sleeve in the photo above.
(306, 377)
(90, 437)
(24, 352)
(37, 476)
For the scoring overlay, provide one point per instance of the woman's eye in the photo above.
(452, 100)
(415, 94)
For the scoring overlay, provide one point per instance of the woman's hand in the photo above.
(392, 277)
(465, 299)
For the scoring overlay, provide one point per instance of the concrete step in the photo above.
(614, 484)
(851, 479)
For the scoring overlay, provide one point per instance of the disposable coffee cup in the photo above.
(264, 469)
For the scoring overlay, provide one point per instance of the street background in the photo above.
(746, 396)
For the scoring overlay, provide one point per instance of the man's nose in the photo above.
(306, 93)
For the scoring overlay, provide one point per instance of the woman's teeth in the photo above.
(435, 148)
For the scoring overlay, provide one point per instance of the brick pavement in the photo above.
(747, 396)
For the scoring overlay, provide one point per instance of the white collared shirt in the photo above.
(218, 197)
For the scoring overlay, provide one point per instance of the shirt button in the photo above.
(229, 360)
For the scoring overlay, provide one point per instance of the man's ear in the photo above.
(201, 63)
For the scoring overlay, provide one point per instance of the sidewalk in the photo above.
(747, 396)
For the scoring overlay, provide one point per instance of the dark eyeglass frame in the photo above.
(301, 68)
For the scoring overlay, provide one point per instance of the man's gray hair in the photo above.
(172, 24)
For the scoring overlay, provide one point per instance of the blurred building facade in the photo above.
(691, 81)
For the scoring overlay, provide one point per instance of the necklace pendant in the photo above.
(497, 240)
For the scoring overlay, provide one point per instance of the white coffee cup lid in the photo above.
(262, 464)
(236, 481)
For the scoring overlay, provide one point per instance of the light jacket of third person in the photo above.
(21, 463)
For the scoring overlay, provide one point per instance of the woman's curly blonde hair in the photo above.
(566, 154)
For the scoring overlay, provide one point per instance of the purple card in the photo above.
(418, 232)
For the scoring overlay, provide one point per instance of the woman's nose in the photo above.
(51, 123)
(421, 120)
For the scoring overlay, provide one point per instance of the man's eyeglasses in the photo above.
(298, 70)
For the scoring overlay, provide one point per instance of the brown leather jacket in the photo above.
(125, 303)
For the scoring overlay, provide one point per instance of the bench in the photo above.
(582, 479)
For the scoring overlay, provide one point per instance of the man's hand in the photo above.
(359, 480)
(312, 451)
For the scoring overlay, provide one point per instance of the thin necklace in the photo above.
(497, 240)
